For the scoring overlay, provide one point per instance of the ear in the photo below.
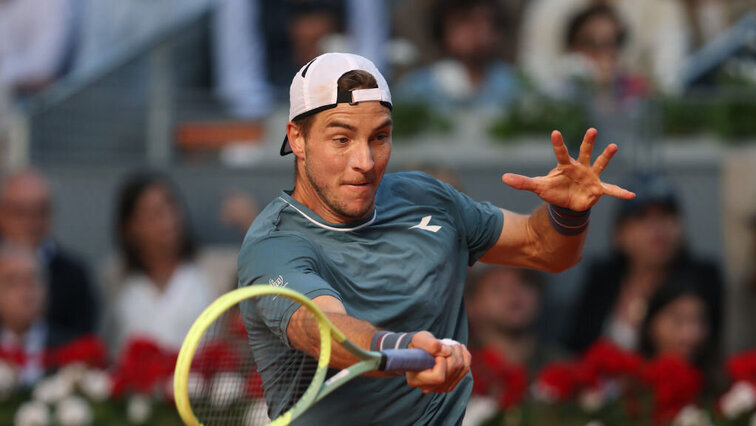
(296, 139)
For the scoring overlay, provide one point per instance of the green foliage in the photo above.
(539, 116)
(413, 119)
(730, 117)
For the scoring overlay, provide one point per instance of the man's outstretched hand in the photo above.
(573, 184)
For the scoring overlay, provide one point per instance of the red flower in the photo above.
(609, 360)
(142, 367)
(674, 382)
(216, 357)
(493, 375)
(742, 367)
(557, 381)
(88, 349)
(15, 356)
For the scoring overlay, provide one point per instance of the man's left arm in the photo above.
(552, 237)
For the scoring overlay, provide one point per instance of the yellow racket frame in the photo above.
(216, 309)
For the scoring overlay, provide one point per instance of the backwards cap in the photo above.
(314, 87)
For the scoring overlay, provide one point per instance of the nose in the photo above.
(362, 157)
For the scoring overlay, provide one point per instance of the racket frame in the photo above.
(319, 387)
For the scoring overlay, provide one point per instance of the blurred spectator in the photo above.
(504, 306)
(413, 21)
(35, 39)
(649, 248)
(677, 322)
(24, 331)
(659, 42)
(595, 37)
(260, 44)
(238, 210)
(163, 291)
(26, 219)
(470, 73)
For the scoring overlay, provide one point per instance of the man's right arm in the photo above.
(452, 361)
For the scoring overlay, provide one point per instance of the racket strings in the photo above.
(243, 372)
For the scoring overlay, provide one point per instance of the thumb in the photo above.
(519, 182)
(425, 340)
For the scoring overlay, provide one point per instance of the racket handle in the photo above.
(400, 360)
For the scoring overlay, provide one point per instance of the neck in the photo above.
(18, 330)
(160, 268)
(305, 193)
(517, 347)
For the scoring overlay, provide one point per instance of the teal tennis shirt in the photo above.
(402, 268)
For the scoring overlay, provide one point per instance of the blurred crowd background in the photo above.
(138, 139)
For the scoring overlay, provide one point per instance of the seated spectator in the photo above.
(503, 306)
(469, 74)
(595, 36)
(660, 40)
(26, 219)
(24, 333)
(677, 321)
(35, 42)
(162, 291)
(648, 250)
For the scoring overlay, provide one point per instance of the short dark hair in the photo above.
(351, 80)
(446, 9)
(530, 277)
(130, 193)
(583, 16)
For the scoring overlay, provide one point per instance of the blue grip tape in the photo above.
(400, 360)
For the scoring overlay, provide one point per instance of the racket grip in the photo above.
(400, 360)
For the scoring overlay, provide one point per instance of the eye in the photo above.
(382, 136)
(341, 140)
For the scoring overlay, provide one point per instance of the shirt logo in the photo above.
(278, 282)
(424, 225)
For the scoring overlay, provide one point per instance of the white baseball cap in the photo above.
(314, 87)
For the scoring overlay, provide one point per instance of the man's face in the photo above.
(25, 210)
(504, 300)
(651, 238)
(471, 36)
(22, 294)
(343, 159)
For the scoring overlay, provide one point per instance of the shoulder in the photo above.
(280, 250)
(267, 220)
(413, 184)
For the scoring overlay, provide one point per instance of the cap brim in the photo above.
(285, 147)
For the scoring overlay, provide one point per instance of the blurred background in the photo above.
(138, 140)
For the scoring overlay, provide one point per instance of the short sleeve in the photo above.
(284, 261)
(481, 222)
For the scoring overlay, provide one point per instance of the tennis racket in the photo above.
(234, 367)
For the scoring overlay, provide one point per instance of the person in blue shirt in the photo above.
(385, 257)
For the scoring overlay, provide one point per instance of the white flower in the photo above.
(95, 385)
(594, 423)
(740, 399)
(196, 385)
(7, 380)
(32, 413)
(591, 400)
(73, 411)
(479, 409)
(257, 413)
(139, 409)
(73, 373)
(225, 389)
(691, 415)
(52, 389)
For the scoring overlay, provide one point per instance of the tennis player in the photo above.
(385, 256)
